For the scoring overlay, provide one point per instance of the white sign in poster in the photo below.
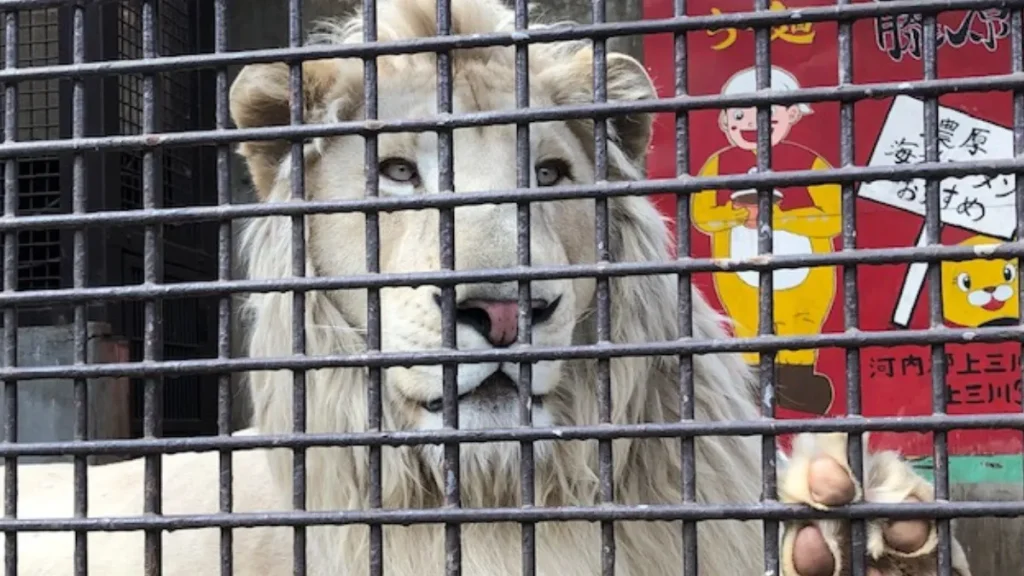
(982, 204)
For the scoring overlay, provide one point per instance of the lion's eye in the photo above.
(550, 172)
(399, 170)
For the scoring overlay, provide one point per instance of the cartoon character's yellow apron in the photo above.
(802, 297)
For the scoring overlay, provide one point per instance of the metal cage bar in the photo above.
(766, 290)
(297, 182)
(167, 140)
(687, 402)
(449, 338)
(603, 299)
(682, 429)
(373, 304)
(752, 18)
(533, 354)
(80, 267)
(152, 274)
(851, 307)
(224, 260)
(152, 143)
(932, 229)
(1017, 66)
(10, 285)
(524, 179)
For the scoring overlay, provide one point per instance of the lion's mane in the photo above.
(645, 389)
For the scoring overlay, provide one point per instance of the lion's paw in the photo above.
(819, 475)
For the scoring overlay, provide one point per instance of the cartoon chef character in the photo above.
(806, 219)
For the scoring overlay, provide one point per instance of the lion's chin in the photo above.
(492, 404)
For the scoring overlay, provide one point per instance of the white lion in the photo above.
(645, 471)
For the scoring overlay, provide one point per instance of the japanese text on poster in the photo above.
(972, 202)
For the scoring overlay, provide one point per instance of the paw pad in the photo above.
(818, 475)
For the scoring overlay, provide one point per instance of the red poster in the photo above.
(983, 378)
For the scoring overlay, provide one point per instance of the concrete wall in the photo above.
(994, 546)
(46, 408)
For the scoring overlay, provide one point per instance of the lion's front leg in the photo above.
(818, 475)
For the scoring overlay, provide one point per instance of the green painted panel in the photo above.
(977, 469)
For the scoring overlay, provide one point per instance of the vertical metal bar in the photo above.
(373, 312)
(524, 173)
(851, 309)
(152, 274)
(298, 193)
(446, 226)
(79, 267)
(688, 457)
(224, 253)
(11, 285)
(1017, 66)
(603, 253)
(933, 224)
(766, 309)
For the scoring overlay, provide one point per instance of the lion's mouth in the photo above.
(497, 387)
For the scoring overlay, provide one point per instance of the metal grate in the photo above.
(187, 400)
(38, 177)
(162, 296)
(186, 397)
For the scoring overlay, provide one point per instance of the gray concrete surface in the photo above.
(46, 408)
(994, 546)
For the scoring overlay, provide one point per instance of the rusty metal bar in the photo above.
(852, 12)
(444, 124)
(224, 261)
(682, 429)
(524, 179)
(373, 304)
(80, 269)
(297, 184)
(851, 307)
(152, 273)
(10, 353)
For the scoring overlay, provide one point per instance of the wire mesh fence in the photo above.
(490, 315)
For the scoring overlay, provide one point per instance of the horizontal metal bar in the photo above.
(441, 43)
(153, 522)
(648, 187)
(680, 429)
(867, 256)
(852, 339)
(608, 512)
(847, 93)
(36, 4)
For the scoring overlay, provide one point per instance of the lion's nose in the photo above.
(498, 320)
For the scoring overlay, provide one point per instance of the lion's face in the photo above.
(485, 235)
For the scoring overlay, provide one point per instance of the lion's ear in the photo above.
(627, 81)
(260, 97)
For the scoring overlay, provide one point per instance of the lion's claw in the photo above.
(819, 475)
